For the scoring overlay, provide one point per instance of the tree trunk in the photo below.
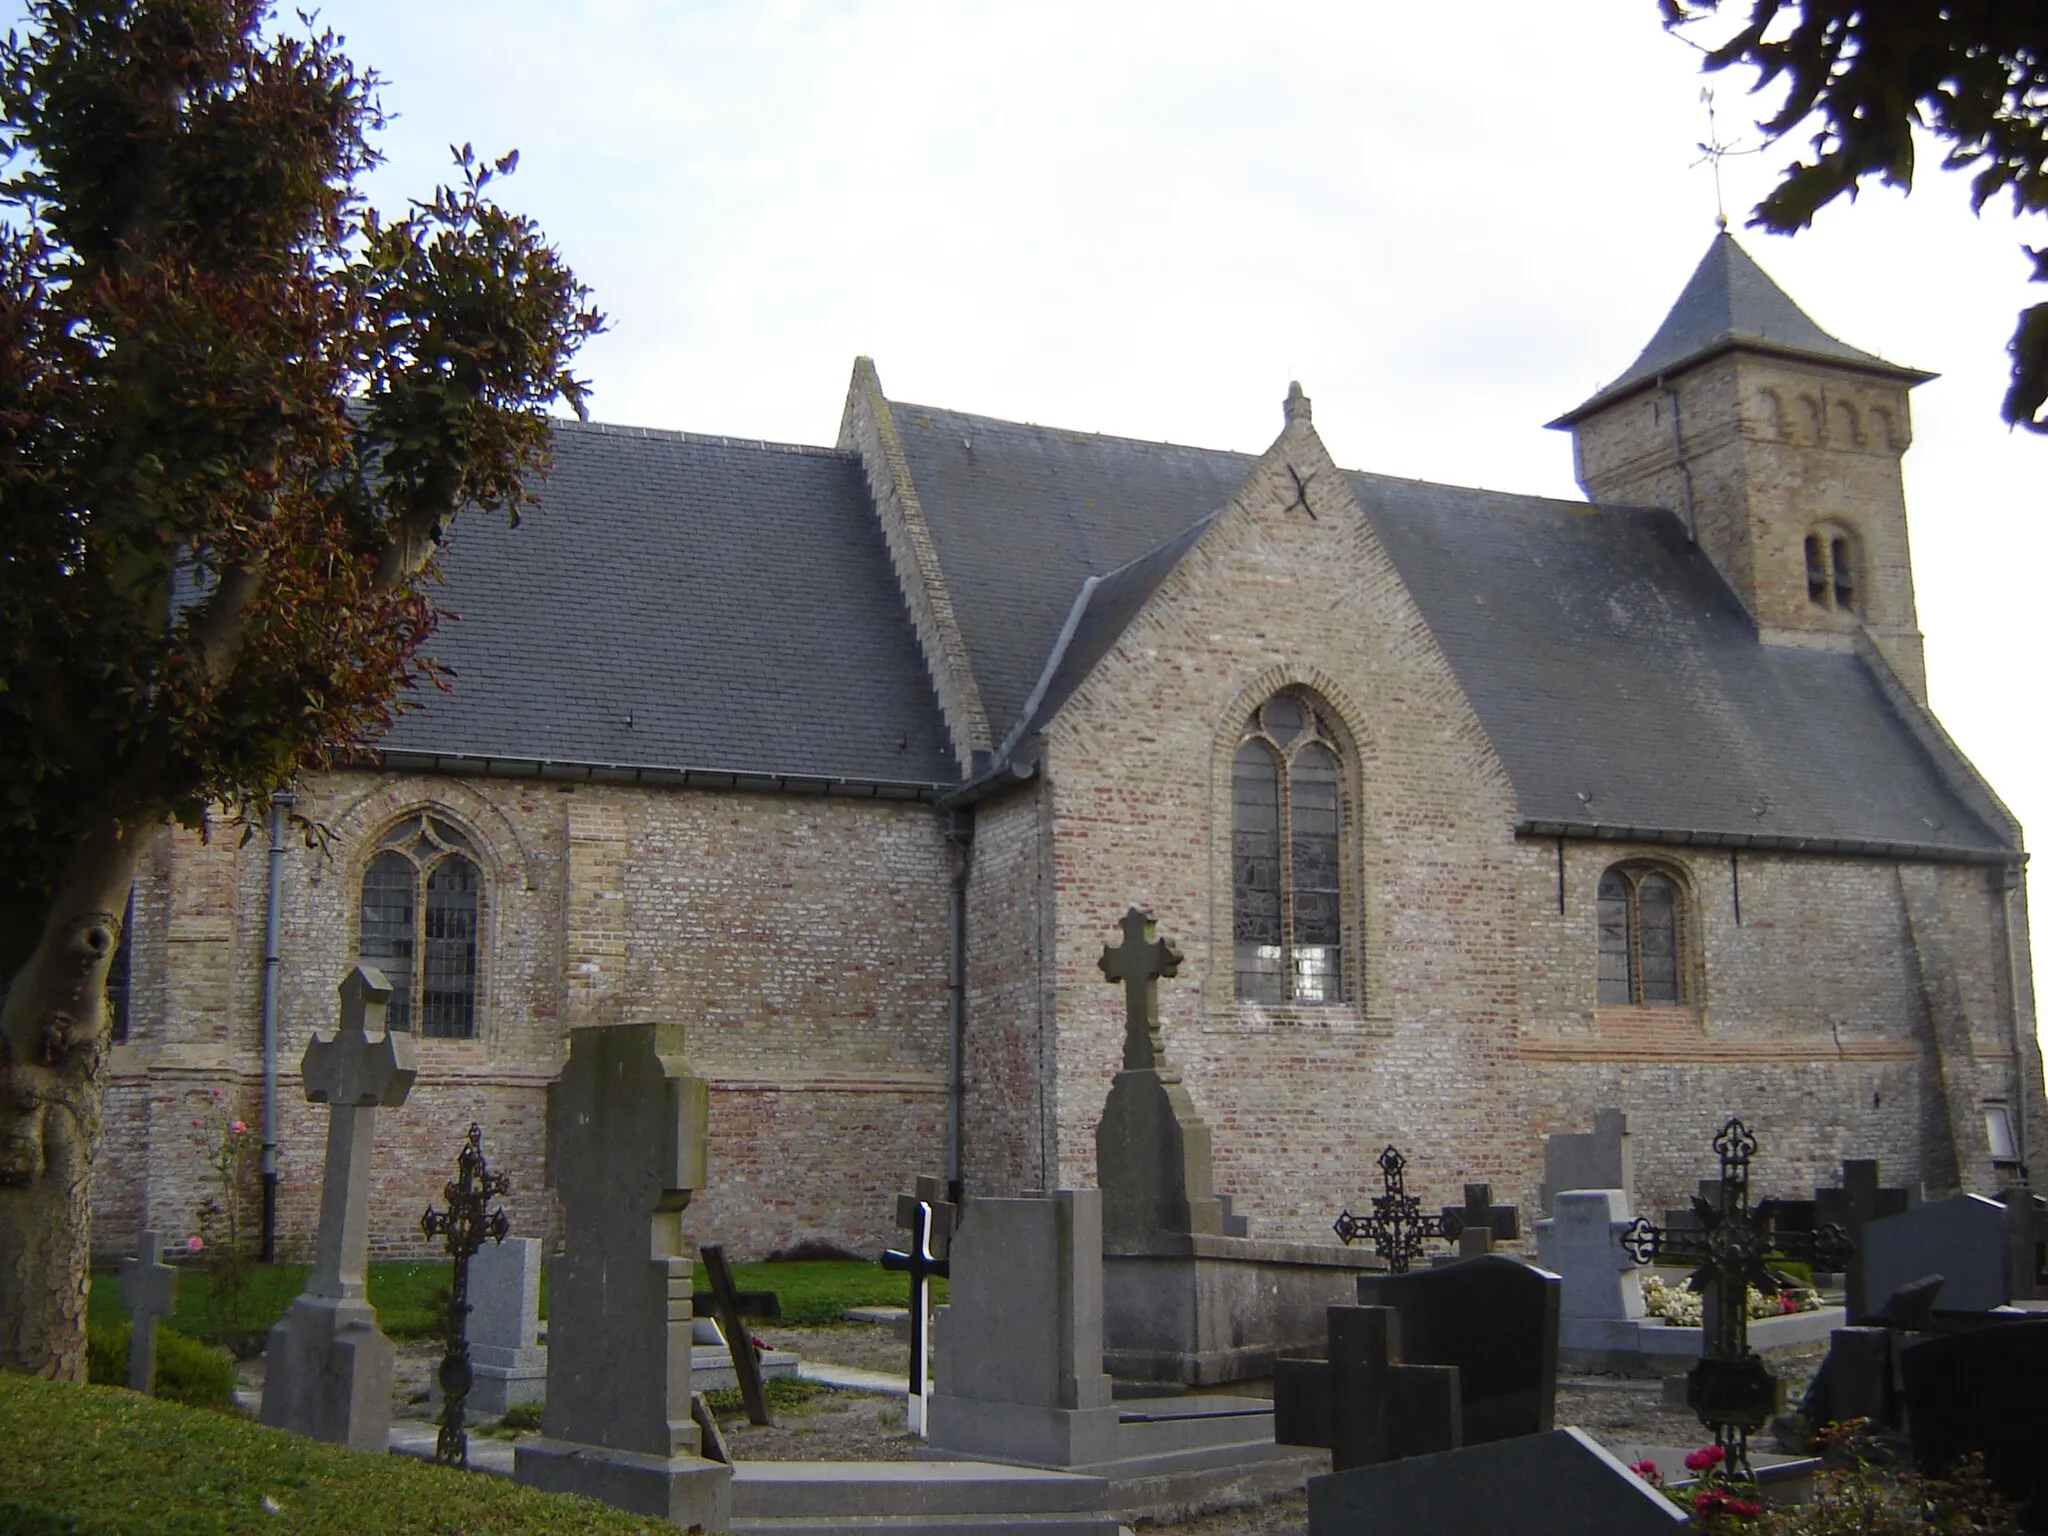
(53, 1046)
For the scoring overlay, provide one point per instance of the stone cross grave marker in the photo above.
(1852, 1206)
(1153, 1157)
(1731, 1389)
(1483, 1222)
(1364, 1403)
(1582, 1245)
(149, 1290)
(626, 1142)
(929, 1217)
(328, 1366)
(464, 1226)
(1397, 1227)
(739, 1343)
(1595, 1159)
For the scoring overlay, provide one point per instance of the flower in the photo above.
(1705, 1457)
(239, 1128)
(194, 1244)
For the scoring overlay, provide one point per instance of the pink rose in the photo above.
(194, 1244)
(239, 1128)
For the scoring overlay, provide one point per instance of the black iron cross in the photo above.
(930, 1221)
(1731, 1389)
(1397, 1227)
(465, 1224)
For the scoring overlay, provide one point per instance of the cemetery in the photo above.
(1130, 1355)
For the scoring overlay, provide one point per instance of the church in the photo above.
(1469, 813)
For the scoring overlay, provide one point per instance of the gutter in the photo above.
(484, 766)
(1919, 853)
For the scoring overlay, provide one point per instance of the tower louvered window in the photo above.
(1831, 570)
(1286, 854)
(1642, 937)
(419, 924)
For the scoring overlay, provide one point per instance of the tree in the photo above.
(237, 411)
(1972, 73)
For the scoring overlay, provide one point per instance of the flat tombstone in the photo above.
(1581, 1244)
(1496, 1320)
(1962, 1239)
(504, 1325)
(626, 1151)
(1563, 1483)
(1595, 1159)
(1981, 1391)
(328, 1368)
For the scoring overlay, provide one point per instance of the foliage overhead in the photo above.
(1973, 74)
(237, 411)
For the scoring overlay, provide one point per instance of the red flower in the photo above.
(1644, 1468)
(1705, 1457)
(1788, 1302)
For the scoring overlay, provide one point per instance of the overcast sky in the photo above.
(1450, 222)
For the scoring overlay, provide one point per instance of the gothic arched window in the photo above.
(1286, 855)
(1642, 936)
(419, 926)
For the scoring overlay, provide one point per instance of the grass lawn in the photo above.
(101, 1460)
(407, 1295)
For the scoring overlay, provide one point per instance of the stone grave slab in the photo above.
(1564, 1483)
(1982, 1390)
(505, 1353)
(1963, 1239)
(328, 1367)
(1495, 1319)
(1595, 1159)
(626, 1136)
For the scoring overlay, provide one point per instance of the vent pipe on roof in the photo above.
(1678, 450)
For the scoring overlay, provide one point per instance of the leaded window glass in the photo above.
(1641, 918)
(422, 895)
(1287, 855)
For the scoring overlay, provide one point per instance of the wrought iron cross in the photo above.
(931, 1226)
(1139, 963)
(465, 1224)
(1731, 1389)
(1397, 1227)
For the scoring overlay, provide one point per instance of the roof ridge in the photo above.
(701, 439)
(1102, 437)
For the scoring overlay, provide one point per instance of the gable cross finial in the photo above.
(1296, 407)
(1139, 963)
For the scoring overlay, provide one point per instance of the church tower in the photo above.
(1779, 446)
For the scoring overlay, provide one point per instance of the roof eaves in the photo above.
(1636, 383)
(1702, 837)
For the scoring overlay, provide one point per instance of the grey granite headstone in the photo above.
(1596, 1159)
(328, 1367)
(1982, 1391)
(1963, 1239)
(1493, 1318)
(149, 1290)
(1563, 1483)
(626, 1151)
(505, 1355)
(1020, 1375)
(1581, 1244)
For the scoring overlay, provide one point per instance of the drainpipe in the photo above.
(960, 834)
(2009, 882)
(279, 805)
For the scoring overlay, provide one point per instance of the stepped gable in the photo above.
(680, 603)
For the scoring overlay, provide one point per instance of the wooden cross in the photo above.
(739, 1344)
(1483, 1222)
(930, 1220)
(1139, 963)
(360, 1068)
(1397, 1226)
(1731, 1389)
(149, 1290)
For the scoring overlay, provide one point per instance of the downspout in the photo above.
(960, 836)
(279, 805)
(1678, 451)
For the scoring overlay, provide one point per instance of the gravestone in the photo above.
(1982, 1391)
(1852, 1205)
(1363, 1402)
(1963, 1239)
(504, 1326)
(149, 1290)
(929, 1217)
(1020, 1344)
(328, 1367)
(626, 1130)
(1595, 1159)
(1482, 1223)
(1152, 1150)
(1581, 1244)
(1397, 1227)
(1493, 1318)
(1563, 1483)
(2026, 1237)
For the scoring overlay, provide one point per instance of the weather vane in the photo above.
(1713, 150)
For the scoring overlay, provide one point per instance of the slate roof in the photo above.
(1730, 301)
(1603, 653)
(681, 603)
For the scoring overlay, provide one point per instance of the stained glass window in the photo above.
(1642, 931)
(1286, 856)
(419, 925)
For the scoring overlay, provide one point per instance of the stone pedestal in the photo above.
(328, 1373)
(505, 1356)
